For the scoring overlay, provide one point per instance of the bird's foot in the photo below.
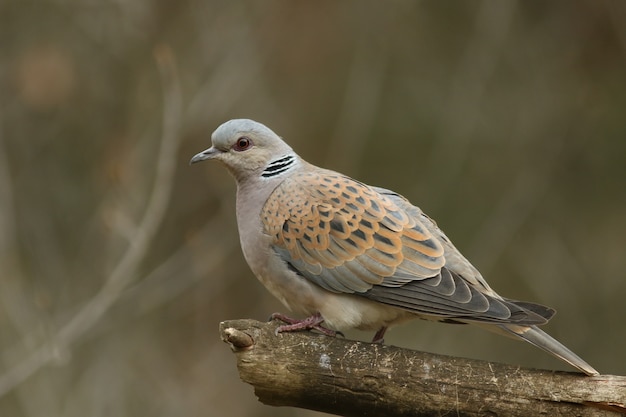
(379, 336)
(313, 322)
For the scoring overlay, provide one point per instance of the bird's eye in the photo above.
(242, 144)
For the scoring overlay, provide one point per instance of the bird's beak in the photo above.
(206, 154)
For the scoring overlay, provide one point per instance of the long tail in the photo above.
(541, 339)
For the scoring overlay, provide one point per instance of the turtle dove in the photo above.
(350, 255)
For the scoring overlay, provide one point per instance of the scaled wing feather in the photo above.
(348, 237)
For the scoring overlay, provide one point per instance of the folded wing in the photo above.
(348, 237)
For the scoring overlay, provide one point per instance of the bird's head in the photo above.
(247, 148)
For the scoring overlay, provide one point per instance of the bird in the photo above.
(347, 255)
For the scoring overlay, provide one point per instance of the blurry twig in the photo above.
(158, 287)
(7, 211)
(11, 290)
(509, 215)
(617, 13)
(125, 270)
(491, 27)
(228, 81)
(361, 102)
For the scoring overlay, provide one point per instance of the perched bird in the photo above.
(350, 255)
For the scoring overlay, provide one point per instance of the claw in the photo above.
(379, 336)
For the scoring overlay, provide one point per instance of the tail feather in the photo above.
(542, 340)
(546, 312)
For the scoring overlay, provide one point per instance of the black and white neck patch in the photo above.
(279, 166)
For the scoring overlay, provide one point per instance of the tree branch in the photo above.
(353, 378)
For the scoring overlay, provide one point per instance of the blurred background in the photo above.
(505, 121)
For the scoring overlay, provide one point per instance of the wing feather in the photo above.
(348, 237)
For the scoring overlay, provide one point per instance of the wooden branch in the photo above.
(351, 378)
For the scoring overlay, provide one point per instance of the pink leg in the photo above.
(313, 322)
(379, 336)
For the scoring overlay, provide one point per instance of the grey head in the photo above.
(249, 150)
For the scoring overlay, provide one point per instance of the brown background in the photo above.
(503, 120)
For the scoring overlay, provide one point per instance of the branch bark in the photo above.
(352, 378)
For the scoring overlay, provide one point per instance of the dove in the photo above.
(348, 255)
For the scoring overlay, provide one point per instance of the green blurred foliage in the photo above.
(503, 120)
